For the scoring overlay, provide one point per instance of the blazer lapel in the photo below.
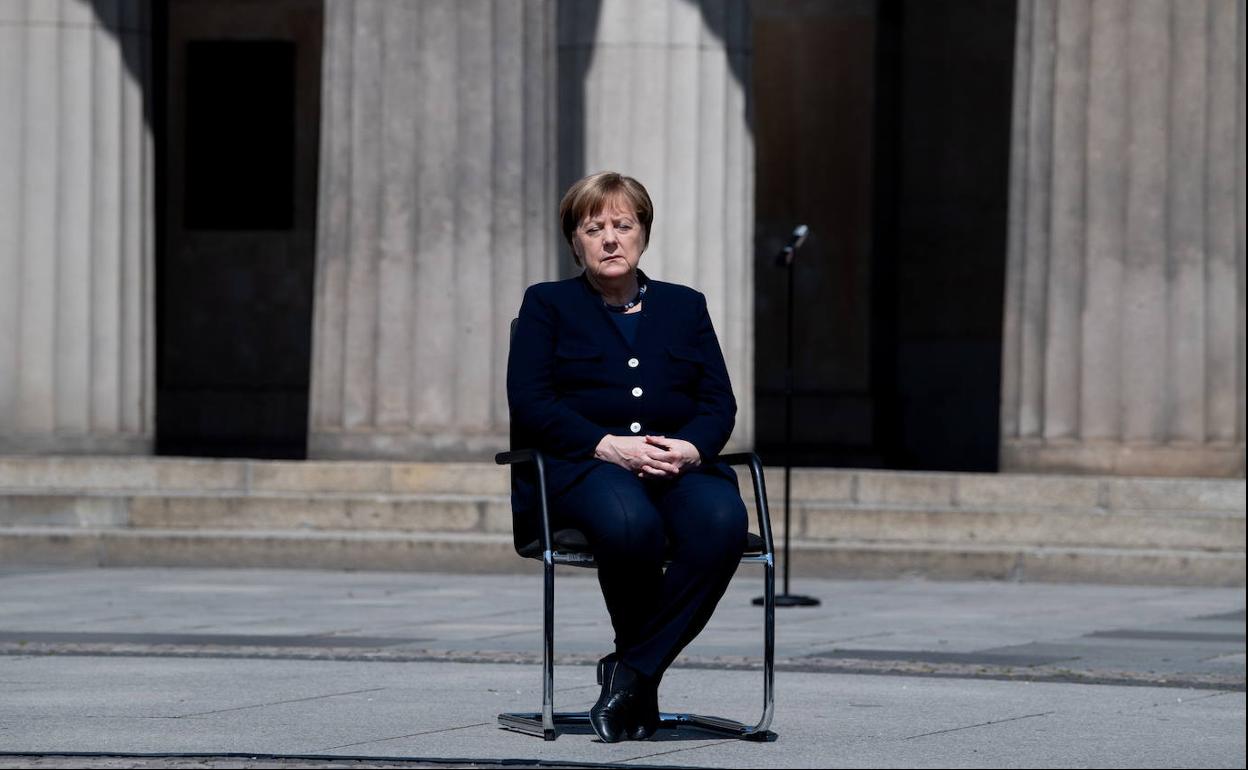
(651, 310)
(596, 310)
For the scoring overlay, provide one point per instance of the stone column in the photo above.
(436, 210)
(658, 90)
(1124, 329)
(76, 300)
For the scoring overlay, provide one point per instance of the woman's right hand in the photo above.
(635, 454)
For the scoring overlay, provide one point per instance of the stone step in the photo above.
(1072, 564)
(102, 474)
(429, 512)
(205, 476)
(363, 515)
(483, 552)
(814, 521)
(379, 550)
(1211, 531)
(977, 490)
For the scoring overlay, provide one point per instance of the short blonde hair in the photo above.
(591, 195)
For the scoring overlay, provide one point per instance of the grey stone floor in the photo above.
(393, 666)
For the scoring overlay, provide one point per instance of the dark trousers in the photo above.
(629, 523)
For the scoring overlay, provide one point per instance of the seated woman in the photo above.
(620, 381)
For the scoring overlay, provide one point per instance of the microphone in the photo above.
(786, 255)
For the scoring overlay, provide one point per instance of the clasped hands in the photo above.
(650, 457)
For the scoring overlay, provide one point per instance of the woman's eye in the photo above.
(624, 227)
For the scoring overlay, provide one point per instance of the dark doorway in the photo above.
(884, 125)
(237, 164)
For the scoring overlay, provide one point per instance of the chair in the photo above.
(569, 546)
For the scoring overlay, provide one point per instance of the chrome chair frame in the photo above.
(544, 723)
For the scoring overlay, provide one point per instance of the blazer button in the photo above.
(635, 427)
(637, 392)
(633, 363)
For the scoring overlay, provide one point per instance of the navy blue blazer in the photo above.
(572, 378)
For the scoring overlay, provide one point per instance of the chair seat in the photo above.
(574, 541)
(570, 547)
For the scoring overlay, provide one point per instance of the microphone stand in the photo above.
(785, 259)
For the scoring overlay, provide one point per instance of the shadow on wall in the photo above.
(576, 15)
(130, 22)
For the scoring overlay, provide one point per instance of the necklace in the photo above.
(641, 290)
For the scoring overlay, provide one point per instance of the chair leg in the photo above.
(543, 723)
(548, 649)
(769, 645)
(730, 728)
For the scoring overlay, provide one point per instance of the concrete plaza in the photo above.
(411, 669)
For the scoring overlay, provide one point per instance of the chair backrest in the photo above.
(524, 523)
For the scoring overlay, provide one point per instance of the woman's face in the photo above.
(609, 243)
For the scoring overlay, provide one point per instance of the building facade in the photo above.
(302, 227)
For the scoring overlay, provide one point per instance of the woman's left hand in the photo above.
(679, 452)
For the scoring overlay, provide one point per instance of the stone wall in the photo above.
(436, 211)
(1124, 329)
(76, 297)
(659, 90)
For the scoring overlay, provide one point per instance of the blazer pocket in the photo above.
(577, 366)
(684, 366)
(683, 353)
(576, 351)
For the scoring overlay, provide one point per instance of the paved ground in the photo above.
(409, 670)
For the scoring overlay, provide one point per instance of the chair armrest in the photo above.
(760, 490)
(516, 456)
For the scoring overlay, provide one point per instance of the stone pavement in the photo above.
(411, 669)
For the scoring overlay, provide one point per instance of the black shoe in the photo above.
(646, 720)
(605, 666)
(622, 692)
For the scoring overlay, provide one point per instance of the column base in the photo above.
(75, 444)
(428, 447)
(1123, 459)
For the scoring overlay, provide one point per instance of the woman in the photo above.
(620, 381)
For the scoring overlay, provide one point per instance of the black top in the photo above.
(627, 324)
(572, 379)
